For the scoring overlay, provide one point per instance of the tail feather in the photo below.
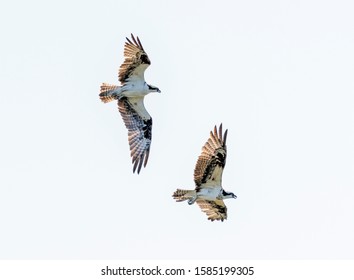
(108, 92)
(182, 195)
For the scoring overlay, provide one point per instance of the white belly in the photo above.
(209, 193)
(135, 89)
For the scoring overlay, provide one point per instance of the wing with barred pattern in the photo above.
(139, 124)
(211, 162)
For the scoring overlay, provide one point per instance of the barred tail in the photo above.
(181, 195)
(108, 92)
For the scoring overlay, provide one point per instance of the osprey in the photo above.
(208, 192)
(130, 95)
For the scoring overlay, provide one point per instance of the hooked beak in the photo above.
(158, 90)
(235, 196)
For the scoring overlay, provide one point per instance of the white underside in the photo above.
(209, 193)
(138, 105)
(135, 89)
(136, 92)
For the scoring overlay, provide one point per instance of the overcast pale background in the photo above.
(277, 74)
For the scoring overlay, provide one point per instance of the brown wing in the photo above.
(215, 209)
(136, 61)
(211, 162)
(139, 124)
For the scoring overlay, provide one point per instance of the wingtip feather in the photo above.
(220, 131)
(135, 165)
(225, 136)
(133, 38)
(140, 163)
(130, 42)
(146, 157)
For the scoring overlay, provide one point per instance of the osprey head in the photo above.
(228, 195)
(153, 88)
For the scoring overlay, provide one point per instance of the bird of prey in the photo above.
(208, 193)
(130, 95)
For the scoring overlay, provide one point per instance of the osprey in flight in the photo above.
(130, 95)
(208, 192)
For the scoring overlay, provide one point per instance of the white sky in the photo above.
(277, 74)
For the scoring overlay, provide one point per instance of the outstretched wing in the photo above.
(139, 124)
(211, 162)
(215, 209)
(135, 63)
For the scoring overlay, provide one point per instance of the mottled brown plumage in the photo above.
(136, 60)
(212, 160)
(215, 209)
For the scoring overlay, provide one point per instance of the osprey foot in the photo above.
(192, 200)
